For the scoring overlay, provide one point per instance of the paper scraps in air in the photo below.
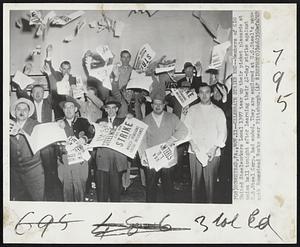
(111, 25)
(206, 26)
(139, 80)
(222, 34)
(66, 19)
(150, 13)
(218, 55)
(22, 79)
(144, 58)
(79, 26)
(165, 66)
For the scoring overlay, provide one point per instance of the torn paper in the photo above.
(63, 87)
(218, 55)
(40, 137)
(64, 20)
(139, 81)
(79, 26)
(22, 79)
(144, 58)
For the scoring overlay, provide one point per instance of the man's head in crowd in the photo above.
(22, 109)
(69, 110)
(70, 106)
(188, 69)
(111, 107)
(205, 93)
(158, 102)
(22, 112)
(65, 68)
(37, 93)
(125, 57)
(91, 91)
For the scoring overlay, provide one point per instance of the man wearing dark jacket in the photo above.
(110, 163)
(27, 181)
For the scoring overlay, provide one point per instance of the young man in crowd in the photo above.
(191, 81)
(163, 127)
(130, 100)
(73, 176)
(110, 163)
(27, 181)
(207, 128)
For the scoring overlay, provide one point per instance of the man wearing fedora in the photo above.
(74, 176)
(110, 163)
(162, 127)
(189, 81)
(27, 181)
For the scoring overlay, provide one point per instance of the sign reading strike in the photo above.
(184, 96)
(143, 58)
(161, 156)
(125, 138)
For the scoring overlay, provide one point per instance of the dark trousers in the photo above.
(210, 173)
(151, 184)
(28, 185)
(108, 185)
(53, 186)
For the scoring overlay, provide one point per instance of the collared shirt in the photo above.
(157, 118)
(21, 125)
(70, 121)
(110, 121)
(38, 108)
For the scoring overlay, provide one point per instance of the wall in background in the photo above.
(176, 34)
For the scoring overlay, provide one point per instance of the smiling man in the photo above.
(110, 163)
(74, 176)
(207, 127)
(26, 170)
(162, 127)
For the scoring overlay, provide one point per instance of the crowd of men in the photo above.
(46, 175)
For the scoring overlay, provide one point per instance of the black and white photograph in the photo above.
(149, 123)
(171, 70)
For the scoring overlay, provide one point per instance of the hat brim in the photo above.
(194, 68)
(25, 101)
(112, 102)
(62, 103)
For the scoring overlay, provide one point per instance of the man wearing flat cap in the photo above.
(27, 181)
(110, 163)
(162, 127)
(74, 176)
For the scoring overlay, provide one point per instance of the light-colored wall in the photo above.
(176, 34)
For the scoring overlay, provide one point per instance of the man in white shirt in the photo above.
(207, 128)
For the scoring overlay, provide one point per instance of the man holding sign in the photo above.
(110, 163)
(163, 127)
(73, 175)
